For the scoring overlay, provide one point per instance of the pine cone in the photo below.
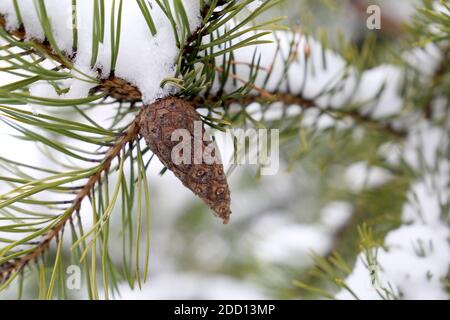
(207, 180)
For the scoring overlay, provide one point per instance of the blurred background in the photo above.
(281, 225)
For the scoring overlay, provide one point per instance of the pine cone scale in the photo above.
(158, 123)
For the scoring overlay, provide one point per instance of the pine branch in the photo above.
(122, 90)
(215, 15)
(113, 87)
(15, 266)
(270, 98)
(205, 77)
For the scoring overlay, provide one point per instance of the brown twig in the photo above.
(304, 103)
(17, 265)
(122, 90)
(114, 87)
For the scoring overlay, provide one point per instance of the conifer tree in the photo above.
(100, 86)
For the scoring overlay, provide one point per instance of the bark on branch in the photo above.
(16, 265)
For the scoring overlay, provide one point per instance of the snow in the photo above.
(416, 257)
(386, 78)
(153, 57)
(293, 244)
(336, 214)
(360, 175)
(280, 240)
(428, 140)
(417, 254)
(144, 60)
(315, 70)
(404, 269)
(274, 60)
(192, 286)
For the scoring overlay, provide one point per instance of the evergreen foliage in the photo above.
(99, 170)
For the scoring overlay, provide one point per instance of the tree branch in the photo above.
(114, 87)
(123, 90)
(16, 266)
(304, 103)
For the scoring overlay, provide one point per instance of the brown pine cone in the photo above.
(206, 179)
